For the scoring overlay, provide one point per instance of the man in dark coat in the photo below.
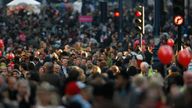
(173, 78)
(49, 76)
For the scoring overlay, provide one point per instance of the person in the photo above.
(95, 71)
(103, 96)
(47, 96)
(187, 78)
(16, 73)
(83, 63)
(115, 70)
(12, 88)
(173, 78)
(139, 84)
(73, 94)
(132, 67)
(41, 72)
(122, 89)
(24, 93)
(150, 98)
(85, 91)
(50, 76)
(181, 96)
(54, 30)
(23, 68)
(144, 66)
(56, 68)
(10, 94)
(3, 87)
(3, 69)
(64, 67)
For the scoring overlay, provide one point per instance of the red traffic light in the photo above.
(138, 13)
(116, 14)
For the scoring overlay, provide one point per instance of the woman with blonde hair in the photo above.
(95, 71)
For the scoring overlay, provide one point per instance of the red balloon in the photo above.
(1, 53)
(136, 43)
(184, 57)
(10, 56)
(170, 42)
(165, 54)
(1, 43)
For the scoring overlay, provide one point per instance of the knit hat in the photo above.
(72, 89)
(3, 65)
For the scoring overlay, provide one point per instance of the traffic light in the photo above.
(178, 12)
(116, 19)
(139, 19)
(116, 13)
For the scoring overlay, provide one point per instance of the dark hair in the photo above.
(124, 74)
(49, 66)
(132, 71)
(105, 90)
(24, 66)
(34, 76)
(74, 105)
(73, 74)
(31, 66)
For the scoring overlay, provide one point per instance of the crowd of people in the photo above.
(59, 63)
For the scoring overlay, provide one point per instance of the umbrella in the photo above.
(149, 28)
(27, 2)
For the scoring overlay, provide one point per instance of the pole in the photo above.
(143, 25)
(188, 12)
(157, 18)
(141, 36)
(179, 39)
(83, 9)
(120, 20)
(156, 33)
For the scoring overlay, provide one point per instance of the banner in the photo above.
(84, 19)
